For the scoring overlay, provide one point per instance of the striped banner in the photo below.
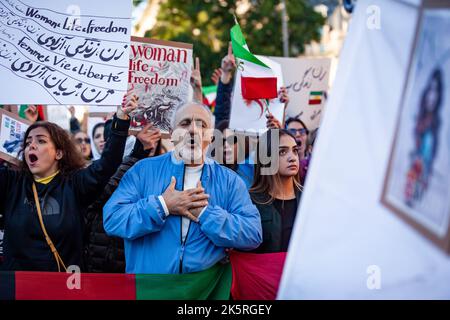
(211, 284)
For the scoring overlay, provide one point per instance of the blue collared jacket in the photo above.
(153, 242)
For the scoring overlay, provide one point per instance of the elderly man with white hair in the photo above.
(179, 212)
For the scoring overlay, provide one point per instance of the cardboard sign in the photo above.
(307, 82)
(64, 52)
(159, 73)
(12, 130)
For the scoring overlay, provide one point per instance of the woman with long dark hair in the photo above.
(44, 203)
(276, 194)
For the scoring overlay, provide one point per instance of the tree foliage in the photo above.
(207, 24)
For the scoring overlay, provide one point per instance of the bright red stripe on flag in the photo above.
(94, 286)
(256, 276)
(259, 88)
(319, 101)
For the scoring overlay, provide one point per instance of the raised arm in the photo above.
(91, 180)
(225, 87)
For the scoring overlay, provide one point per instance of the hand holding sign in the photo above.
(129, 104)
(272, 122)
(283, 96)
(149, 137)
(31, 113)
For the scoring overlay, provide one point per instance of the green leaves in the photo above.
(207, 24)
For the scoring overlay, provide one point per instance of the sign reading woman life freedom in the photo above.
(64, 52)
(159, 73)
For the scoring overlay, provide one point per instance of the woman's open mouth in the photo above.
(32, 159)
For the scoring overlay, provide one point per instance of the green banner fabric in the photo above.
(211, 284)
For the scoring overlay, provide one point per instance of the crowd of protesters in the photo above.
(80, 198)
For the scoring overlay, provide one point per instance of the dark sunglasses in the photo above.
(81, 140)
(301, 131)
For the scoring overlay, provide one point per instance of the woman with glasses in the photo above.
(233, 151)
(298, 128)
(44, 203)
(301, 133)
(83, 143)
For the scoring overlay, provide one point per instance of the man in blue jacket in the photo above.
(179, 212)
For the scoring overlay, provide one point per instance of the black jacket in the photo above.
(271, 223)
(222, 109)
(64, 202)
(102, 252)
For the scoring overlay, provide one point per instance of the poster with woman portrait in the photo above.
(12, 130)
(417, 185)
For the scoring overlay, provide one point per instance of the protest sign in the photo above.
(249, 116)
(12, 130)
(102, 112)
(159, 74)
(306, 81)
(64, 52)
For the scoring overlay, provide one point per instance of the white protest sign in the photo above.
(306, 80)
(12, 130)
(159, 74)
(249, 116)
(101, 111)
(64, 52)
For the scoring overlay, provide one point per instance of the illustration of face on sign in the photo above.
(159, 74)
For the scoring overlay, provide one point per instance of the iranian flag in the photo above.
(258, 81)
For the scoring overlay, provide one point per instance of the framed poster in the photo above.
(417, 183)
(12, 130)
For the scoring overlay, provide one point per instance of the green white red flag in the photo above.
(258, 81)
